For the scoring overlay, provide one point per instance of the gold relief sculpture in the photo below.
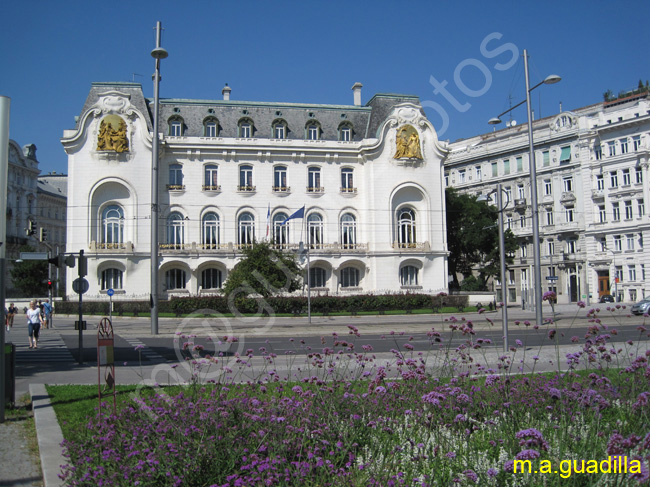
(112, 135)
(408, 144)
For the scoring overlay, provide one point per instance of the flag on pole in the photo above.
(298, 214)
(268, 221)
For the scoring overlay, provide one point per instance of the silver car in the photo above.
(642, 307)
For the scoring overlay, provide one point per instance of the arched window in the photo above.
(279, 129)
(280, 232)
(345, 132)
(175, 231)
(315, 225)
(210, 231)
(210, 127)
(246, 226)
(246, 128)
(211, 279)
(312, 130)
(112, 232)
(408, 275)
(348, 231)
(111, 279)
(175, 279)
(349, 277)
(317, 277)
(406, 237)
(176, 127)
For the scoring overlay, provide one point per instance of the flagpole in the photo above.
(308, 274)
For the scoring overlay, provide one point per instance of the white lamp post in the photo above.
(502, 257)
(549, 80)
(158, 53)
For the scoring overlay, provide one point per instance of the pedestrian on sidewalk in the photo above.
(34, 321)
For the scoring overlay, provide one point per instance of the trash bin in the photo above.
(10, 374)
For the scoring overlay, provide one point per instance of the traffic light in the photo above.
(49, 285)
(42, 234)
(61, 260)
(31, 228)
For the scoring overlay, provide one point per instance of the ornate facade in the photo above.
(593, 194)
(370, 179)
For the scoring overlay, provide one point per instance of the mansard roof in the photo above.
(364, 120)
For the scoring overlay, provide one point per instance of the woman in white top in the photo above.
(34, 321)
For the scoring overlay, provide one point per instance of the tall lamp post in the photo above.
(549, 80)
(502, 257)
(158, 53)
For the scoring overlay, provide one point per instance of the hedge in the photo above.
(276, 304)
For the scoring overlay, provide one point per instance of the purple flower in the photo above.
(471, 475)
(527, 455)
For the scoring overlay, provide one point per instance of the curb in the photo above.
(49, 436)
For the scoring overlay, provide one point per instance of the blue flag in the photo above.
(298, 214)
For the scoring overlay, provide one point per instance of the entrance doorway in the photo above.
(603, 283)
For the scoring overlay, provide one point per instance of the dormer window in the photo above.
(176, 127)
(345, 132)
(210, 127)
(280, 130)
(246, 128)
(312, 130)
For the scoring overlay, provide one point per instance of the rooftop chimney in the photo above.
(226, 92)
(356, 88)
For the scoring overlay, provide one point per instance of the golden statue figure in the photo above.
(111, 138)
(408, 144)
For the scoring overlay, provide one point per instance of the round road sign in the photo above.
(80, 285)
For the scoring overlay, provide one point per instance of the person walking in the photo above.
(47, 313)
(34, 321)
(11, 312)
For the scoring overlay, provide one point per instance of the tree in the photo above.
(473, 238)
(30, 276)
(264, 271)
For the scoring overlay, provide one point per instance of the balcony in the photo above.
(520, 202)
(315, 189)
(281, 189)
(413, 246)
(567, 196)
(597, 194)
(212, 187)
(246, 189)
(349, 190)
(176, 187)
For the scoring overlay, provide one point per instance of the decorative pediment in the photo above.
(564, 121)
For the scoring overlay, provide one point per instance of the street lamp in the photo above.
(158, 53)
(549, 80)
(502, 257)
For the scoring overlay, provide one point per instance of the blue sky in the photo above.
(314, 52)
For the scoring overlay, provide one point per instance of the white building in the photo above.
(369, 177)
(592, 186)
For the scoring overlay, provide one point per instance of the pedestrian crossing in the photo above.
(51, 347)
(147, 353)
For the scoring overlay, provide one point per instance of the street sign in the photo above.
(110, 292)
(80, 285)
(552, 278)
(33, 255)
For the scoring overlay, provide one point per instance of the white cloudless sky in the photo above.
(463, 59)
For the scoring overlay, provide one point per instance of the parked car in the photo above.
(641, 307)
(606, 298)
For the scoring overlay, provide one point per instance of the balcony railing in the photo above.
(281, 189)
(408, 245)
(211, 187)
(175, 187)
(246, 189)
(348, 190)
(315, 189)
